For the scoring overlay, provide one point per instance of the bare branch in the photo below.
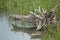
(31, 12)
(44, 11)
(39, 9)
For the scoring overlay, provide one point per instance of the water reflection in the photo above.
(15, 33)
(31, 31)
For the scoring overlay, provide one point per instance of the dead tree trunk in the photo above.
(43, 19)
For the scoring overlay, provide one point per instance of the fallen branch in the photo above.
(43, 19)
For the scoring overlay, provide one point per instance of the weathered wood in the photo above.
(39, 22)
(30, 18)
(43, 19)
(19, 17)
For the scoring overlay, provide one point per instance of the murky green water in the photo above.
(7, 34)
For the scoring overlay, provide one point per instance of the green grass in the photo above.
(53, 33)
(24, 6)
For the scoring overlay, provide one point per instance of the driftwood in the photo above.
(30, 18)
(41, 20)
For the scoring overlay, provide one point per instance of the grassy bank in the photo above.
(24, 6)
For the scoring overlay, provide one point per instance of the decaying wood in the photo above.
(41, 20)
(30, 18)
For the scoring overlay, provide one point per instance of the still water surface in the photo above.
(7, 34)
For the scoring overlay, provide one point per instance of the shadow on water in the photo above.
(31, 31)
(7, 30)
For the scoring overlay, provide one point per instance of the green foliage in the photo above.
(24, 6)
(53, 33)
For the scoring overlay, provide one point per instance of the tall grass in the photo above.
(24, 6)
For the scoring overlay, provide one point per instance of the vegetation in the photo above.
(24, 6)
(52, 33)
